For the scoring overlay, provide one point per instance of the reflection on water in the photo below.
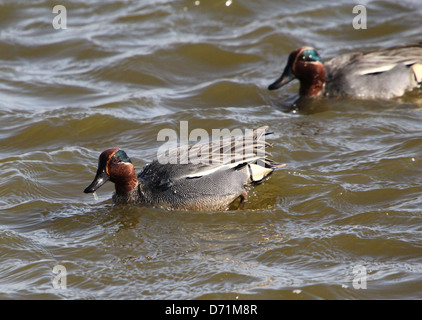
(349, 196)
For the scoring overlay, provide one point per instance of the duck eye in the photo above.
(115, 160)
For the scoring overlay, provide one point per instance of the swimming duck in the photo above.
(384, 73)
(218, 178)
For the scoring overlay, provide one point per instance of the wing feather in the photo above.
(223, 154)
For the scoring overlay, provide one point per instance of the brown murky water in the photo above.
(348, 203)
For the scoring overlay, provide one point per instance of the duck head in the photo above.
(114, 165)
(306, 65)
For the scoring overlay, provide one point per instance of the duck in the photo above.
(223, 171)
(377, 74)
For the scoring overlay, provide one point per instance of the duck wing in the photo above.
(382, 73)
(204, 159)
(376, 61)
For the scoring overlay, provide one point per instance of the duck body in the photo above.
(377, 74)
(204, 186)
(159, 186)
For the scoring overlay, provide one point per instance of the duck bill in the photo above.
(100, 178)
(285, 78)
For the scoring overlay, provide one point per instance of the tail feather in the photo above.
(257, 173)
(417, 70)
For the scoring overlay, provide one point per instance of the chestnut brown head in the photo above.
(306, 65)
(114, 165)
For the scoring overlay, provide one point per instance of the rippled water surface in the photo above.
(347, 204)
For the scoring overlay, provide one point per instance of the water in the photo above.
(348, 203)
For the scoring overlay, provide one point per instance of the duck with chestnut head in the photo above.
(376, 74)
(201, 186)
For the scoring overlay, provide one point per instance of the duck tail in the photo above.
(264, 166)
(259, 171)
(417, 71)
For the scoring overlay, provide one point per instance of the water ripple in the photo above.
(122, 71)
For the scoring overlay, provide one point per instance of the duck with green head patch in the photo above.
(204, 186)
(383, 74)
